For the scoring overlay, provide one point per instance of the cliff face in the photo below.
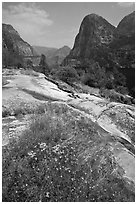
(94, 31)
(101, 42)
(13, 43)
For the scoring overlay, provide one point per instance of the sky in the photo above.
(55, 24)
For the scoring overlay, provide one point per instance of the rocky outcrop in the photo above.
(14, 43)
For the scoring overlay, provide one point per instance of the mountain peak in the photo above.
(96, 18)
(127, 25)
(9, 28)
(65, 47)
(94, 31)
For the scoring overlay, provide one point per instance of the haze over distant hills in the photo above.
(54, 55)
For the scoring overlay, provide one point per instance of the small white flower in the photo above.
(43, 145)
(56, 159)
(47, 194)
(31, 154)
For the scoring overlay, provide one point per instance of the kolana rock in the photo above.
(94, 32)
(98, 39)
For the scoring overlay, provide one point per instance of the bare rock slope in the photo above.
(67, 146)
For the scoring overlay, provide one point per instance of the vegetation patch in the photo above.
(114, 96)
(23, 109)
(62, 157)
(67, 74)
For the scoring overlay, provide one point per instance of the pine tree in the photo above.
(43, 65)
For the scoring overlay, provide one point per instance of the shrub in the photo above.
(122, 89)
(67, 74)
(29, 63)
(95, 76)
(109, 84)
(119, 78)
(112, 95)
(12, 59)
(43, 66)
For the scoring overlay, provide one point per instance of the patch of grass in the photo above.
(23, 109)
(61, 158)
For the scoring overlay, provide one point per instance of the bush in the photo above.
(112, 95)
(122, 89)
(43, 66)
(95, 76)
(119, 78)
(29, 63)
(67, 74)
(12, 59)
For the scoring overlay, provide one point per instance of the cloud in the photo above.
(126, 4)
(28, 19)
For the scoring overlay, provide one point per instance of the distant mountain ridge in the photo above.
(47, 51)
(54, 56)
